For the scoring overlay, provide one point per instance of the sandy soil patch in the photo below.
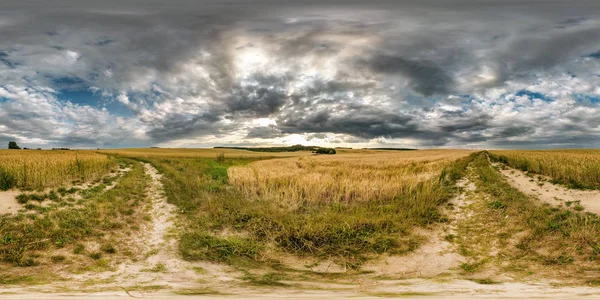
(552, 193)
(8, 202)
(389, 289)
(436, 255)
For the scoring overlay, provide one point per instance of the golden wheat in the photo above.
(197, 153)
(363, 176)
(38, 169)
(578, 168)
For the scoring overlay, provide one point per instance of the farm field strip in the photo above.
(344, 178)
(578, 169)
(14, 201)
(542, 188)
(40, 169)
(74, 235)
(198, 153)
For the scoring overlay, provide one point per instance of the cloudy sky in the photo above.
(427, 73)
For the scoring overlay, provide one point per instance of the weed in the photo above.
(270, 279)
(450, 238)
(7, 179)
(484, 281)
(197, 291)
(78, 249)
(96, 255)
(467, 267)
(58, 258)
(108, 248)
(158, 268)
(220, 158)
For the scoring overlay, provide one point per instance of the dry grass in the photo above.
(366, 223)
(349, 177)
(37, 169)
(46, 226)
(524, 235)
(576, 168)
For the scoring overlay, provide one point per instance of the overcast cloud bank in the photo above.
(480, 74)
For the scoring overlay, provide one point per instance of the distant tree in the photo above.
(326, 151)
(13, 145)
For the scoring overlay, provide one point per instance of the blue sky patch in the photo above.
(69, 83)
(534, 95)
(89, 98)
(593, 99)
(4, 59)
(595, 55)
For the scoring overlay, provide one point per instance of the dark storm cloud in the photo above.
(261, 96)
(463, 121)
(359, 121)
(267, 132)
(548, 48)
(186, 126)
(512, 131)
(425, 77)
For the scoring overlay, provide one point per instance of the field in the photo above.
(36, 169)
(296, 222)
(198, 153)
(576, 168)
(299, 220)
(343, 179)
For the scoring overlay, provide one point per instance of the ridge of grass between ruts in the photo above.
(348, 233)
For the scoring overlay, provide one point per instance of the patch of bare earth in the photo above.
(551, 193)
(437, 255)
(8, 202)
(119, 173)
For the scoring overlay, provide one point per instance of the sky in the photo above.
(425, 74)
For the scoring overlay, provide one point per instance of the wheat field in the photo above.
(576, 168)
(350, 177)
(39, 169)
(197, 153)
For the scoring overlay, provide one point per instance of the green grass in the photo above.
(346, 233)
(7, 179)
(197, 291)
(39, 279)
(158, 268)
(269, 279)
(196, 246)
